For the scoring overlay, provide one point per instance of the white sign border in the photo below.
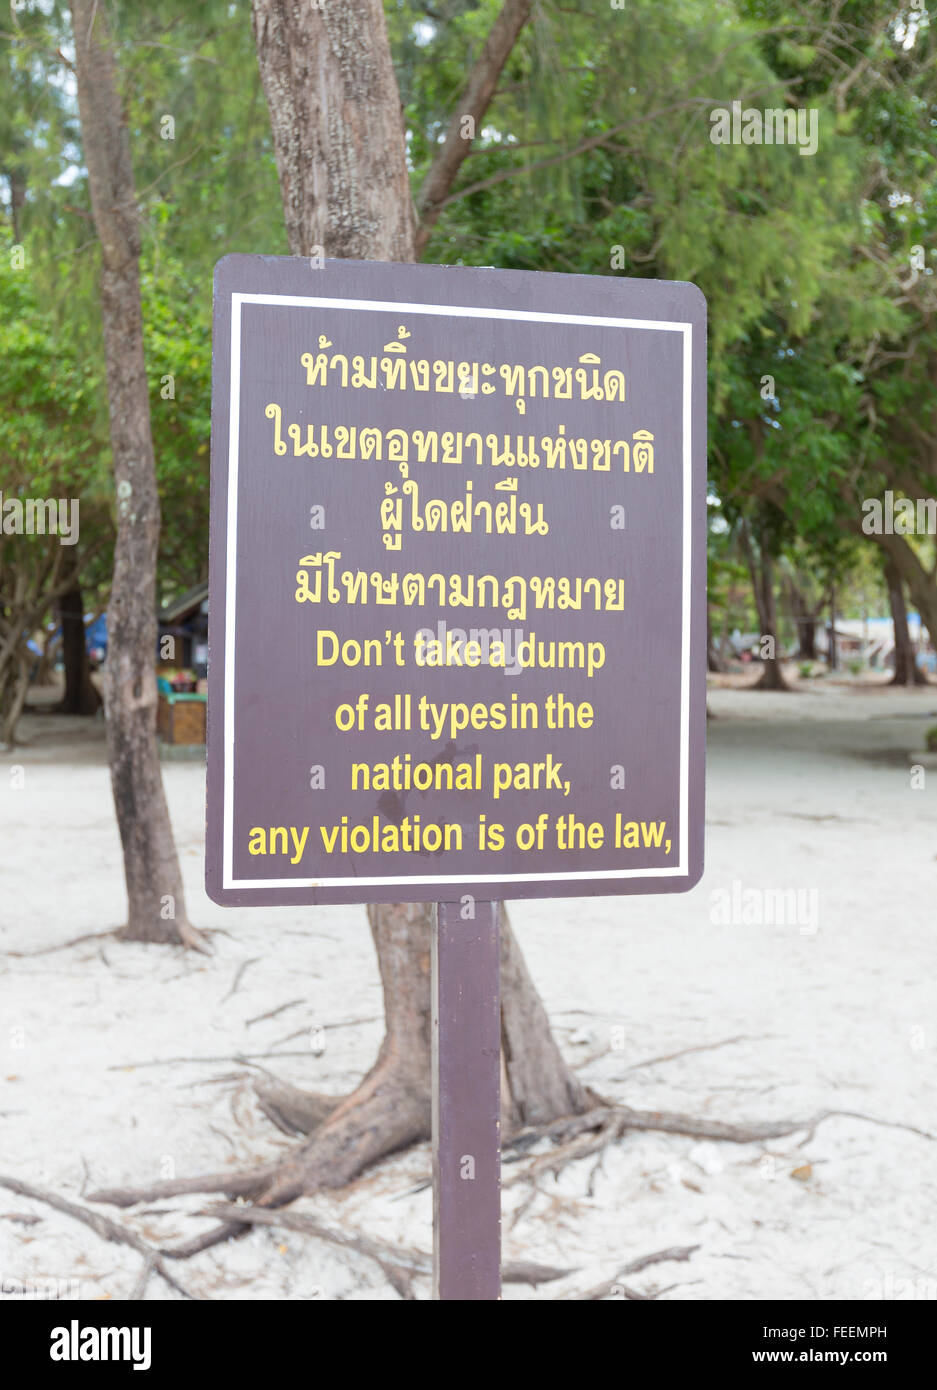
(456, 311)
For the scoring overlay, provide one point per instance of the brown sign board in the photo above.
(457, 605)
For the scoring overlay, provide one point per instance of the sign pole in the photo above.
(466, 995)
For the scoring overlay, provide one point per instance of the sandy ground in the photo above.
(663, 1003)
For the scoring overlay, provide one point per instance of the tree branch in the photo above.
(473, 103)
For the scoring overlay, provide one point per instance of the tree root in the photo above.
(248, 1184)
(110, 935)
(686, 1051)
(399, 1263)
(582, 1135)
(381, 1117)
(605, 1290)
(106, 1228)
(386, 1114)
(189, 937)
(292, 1110)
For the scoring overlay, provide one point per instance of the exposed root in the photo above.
(248, 1184)
(292, 1110)
(218, 1235)
(387, 1112)
(398, 1262)
(239, 975)
(383, 1116)
(111, 935)
(581, 1145)
(697, 1047)
(106, 1228)
(611, 1286)
(582, 1135)
(189, 937)
(525, 1272)
(403, 1261)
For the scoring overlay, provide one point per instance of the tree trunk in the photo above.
(156, 905)
(335, 114)
(81, 695)
(714, 661)
(391, 1109)
(922, 583)
(906, 667)
(45, 669)
(762, 575)
(772, 677)
(832, 648)
(805, 620)
(17, 185)
(13, 689)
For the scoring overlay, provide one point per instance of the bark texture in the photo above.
(335, 112)
(156, 904)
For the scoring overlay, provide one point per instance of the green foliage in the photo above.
(207, 185)
(595, 158)
(48, 393)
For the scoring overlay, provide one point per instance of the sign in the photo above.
(457, 607)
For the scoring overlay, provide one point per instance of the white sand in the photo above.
(805, 791)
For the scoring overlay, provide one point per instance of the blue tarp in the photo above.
(96, 633)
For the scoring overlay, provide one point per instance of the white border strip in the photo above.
(453, 311)
(231, 522)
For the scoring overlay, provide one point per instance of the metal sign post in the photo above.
(466, 1101)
